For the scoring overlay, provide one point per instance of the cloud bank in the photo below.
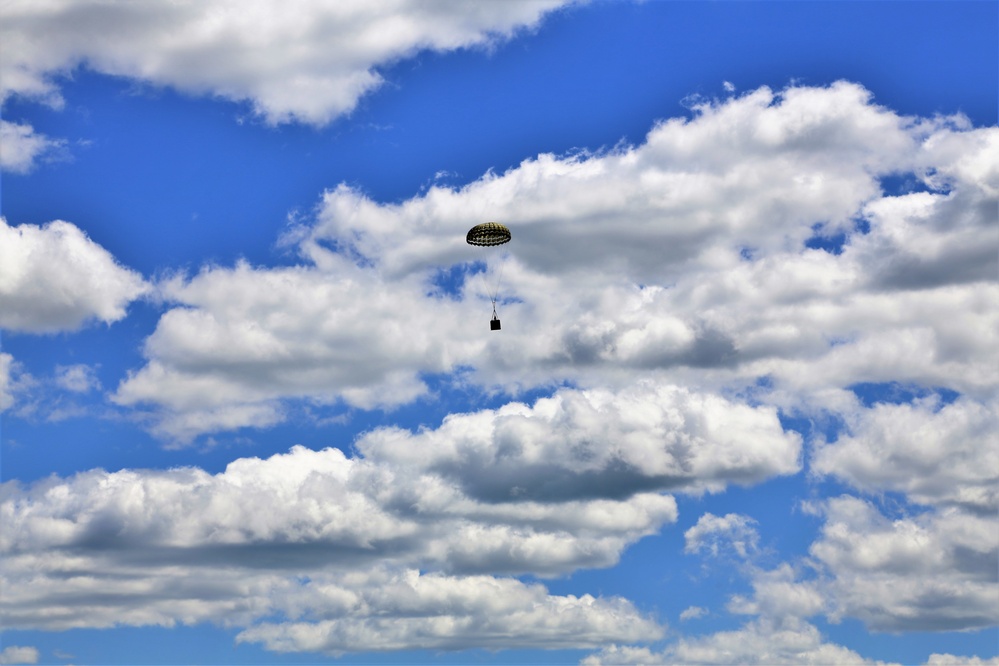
(750, 243)
(350, 551)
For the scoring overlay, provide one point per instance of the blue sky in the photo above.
(742, 408)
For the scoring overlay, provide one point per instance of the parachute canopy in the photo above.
(488, 233)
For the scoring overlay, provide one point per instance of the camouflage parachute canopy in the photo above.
(488, 233)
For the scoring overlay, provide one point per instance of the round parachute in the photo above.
(487, 234)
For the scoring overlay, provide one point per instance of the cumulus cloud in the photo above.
(451, 509)
(779, 634)
(718, 534)
(779, 594)
(956, 660)
(692, 613)
(436, 612)
(932, 572)
(765, 641)
(368, 509)
(799, 644)
(21, 147)
(247, 337)
(19, 654)
(308, 65)
(759, 642)
(686, 288)
(54, 278)
(599, 443)
(935, 569)
(624, 654)
(691, 256)
(689, 253)
(567, 483)
(756, 171)
(936, 454)
(332, 544)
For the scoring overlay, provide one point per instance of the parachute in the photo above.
(489, 234)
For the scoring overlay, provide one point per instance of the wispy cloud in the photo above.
(21, 147)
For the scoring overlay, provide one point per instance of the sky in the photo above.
(742, 408)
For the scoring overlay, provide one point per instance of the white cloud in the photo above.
(308, 65)
(779, 594)
(437, 612)
(15, 383)
(54, 278)
(624, 654)
(761, 641)
(718, 534)
(932, 572)
(247, 337)
(676, 215)
(692, 613)
(779, 635)
(330, 545)
(935, 454)
(21, 147)
(329, 542)
(681, 262)
(665, 208)
(683, 257)
(19, 654)
(935, 572)
(598, 443)
(77, 378)
(6, 381)
(764, 641)
(955, 660)
(52, 398)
